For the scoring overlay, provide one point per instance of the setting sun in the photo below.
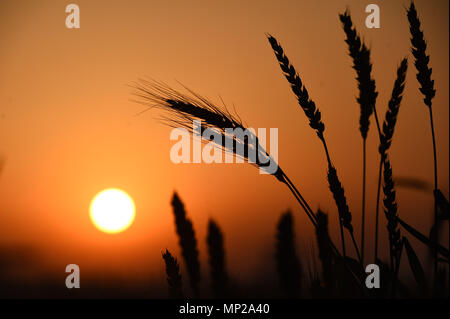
(112, 210)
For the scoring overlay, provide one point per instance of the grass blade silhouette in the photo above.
(443, 205)
(424, 239)
(315, 122)
(416, 267)
(418, 49)
(216, 251)
(173, 276)
(388, 132)
(360, 55)
(288, 265)
(187, 242)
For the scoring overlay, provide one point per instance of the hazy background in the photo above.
(68, 129)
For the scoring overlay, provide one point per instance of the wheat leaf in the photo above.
(416, 266)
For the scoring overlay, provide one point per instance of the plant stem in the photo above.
(435, 239)
(379, 184)
(378, 209)
(301, 201)
(285, 180)
(342, 238)
(300, 197)
(363, 215)
(356, 247)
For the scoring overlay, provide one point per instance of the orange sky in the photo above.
(68, 128)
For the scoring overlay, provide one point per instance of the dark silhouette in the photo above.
(187, 242)
(390, 210)
(418, 49)
(367, 98)
(315, 121)
(216, 252)
(325, 253)
(342, 275)
(173, 276)
(288, 265)
(387, 134)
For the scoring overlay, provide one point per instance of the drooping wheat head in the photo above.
(183, 110)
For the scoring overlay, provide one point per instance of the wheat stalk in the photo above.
(315, 121)
(388, 131)
(423, 76)
(360, 55)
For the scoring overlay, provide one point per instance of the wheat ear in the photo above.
(388, 132)
(173, 276)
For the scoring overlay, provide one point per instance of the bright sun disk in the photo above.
(112, 210)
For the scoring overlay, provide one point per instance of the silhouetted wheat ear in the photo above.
(345, 217)
(390, 210)
(288, 265)
(183, 109)
(388, 132)
(300, 91)
(216, 251)
(325, 252)
(361, 63)
(173, 276)
(418, 49)
(393, 108)
(339, 196)
(188, 243)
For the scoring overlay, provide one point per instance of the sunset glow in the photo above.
(112, 210)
